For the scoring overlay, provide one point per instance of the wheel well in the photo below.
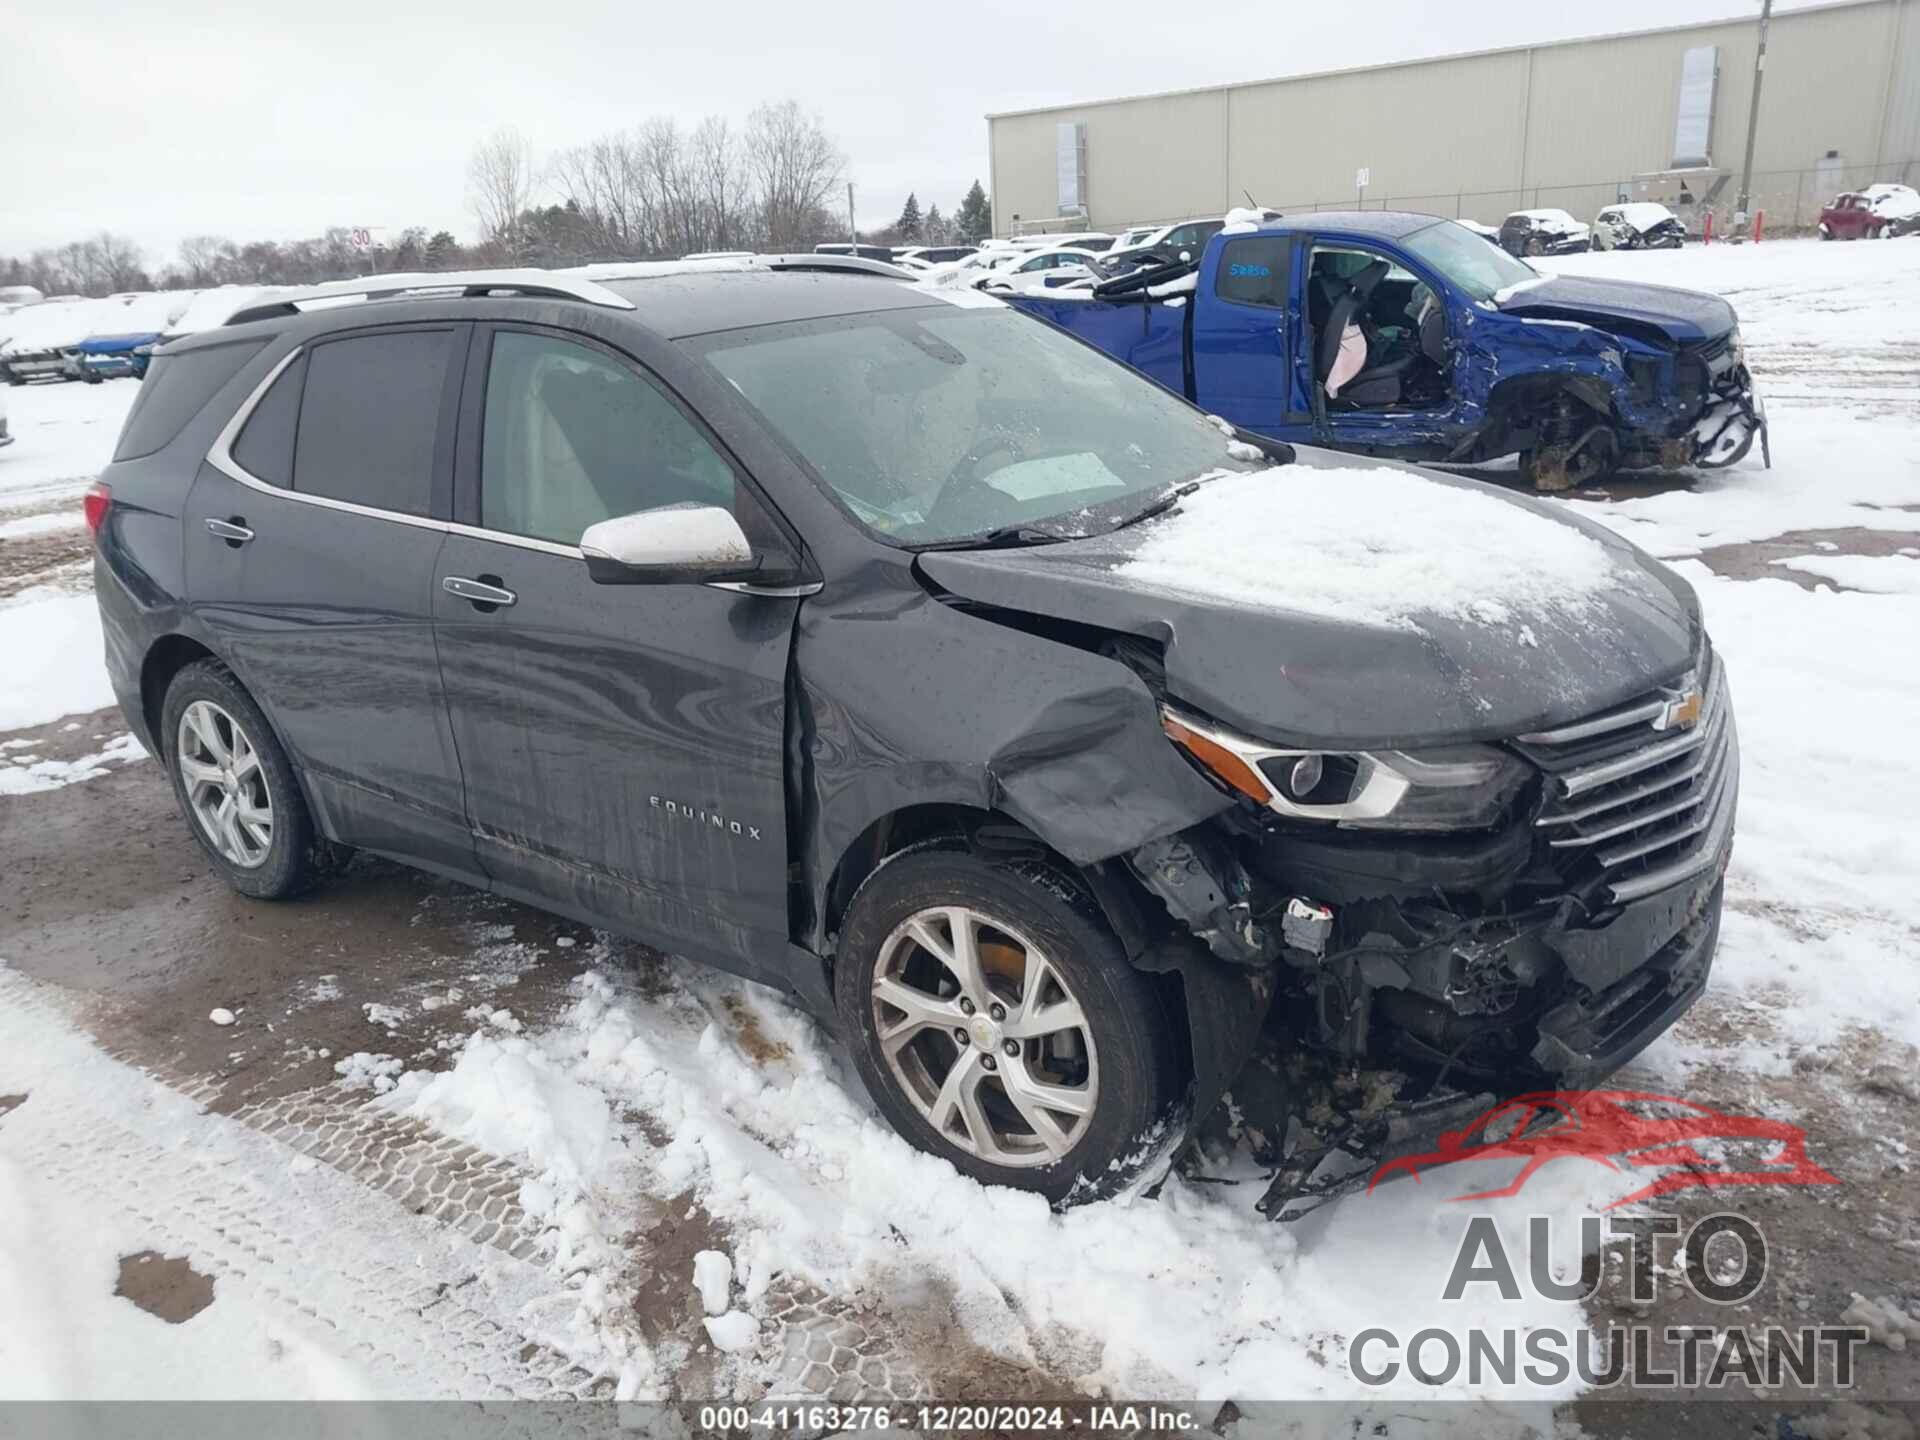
(169, 656)
(1107, 884)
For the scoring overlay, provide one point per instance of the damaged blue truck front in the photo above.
(1407, 336)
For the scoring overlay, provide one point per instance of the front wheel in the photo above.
(997, 1023)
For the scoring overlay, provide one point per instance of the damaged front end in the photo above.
(1731, 416)
(1447, 928)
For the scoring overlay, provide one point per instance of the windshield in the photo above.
(1466, 261)
(946, 423)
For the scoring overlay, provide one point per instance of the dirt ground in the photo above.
(104, 898)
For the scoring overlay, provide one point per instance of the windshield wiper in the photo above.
(1159, 507)
(1005, 537)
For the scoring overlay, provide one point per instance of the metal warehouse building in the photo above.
(1578, 124)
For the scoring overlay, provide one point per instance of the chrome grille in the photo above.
(1637, 807)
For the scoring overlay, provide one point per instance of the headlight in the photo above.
(1460, 787)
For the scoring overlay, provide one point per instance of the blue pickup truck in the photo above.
(1411, 337)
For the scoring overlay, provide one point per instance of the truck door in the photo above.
(1247, 331)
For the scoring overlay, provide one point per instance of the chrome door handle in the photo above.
(481, 593)
(231, 531)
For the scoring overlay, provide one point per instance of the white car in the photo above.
(1638, 225)
(1040, 270)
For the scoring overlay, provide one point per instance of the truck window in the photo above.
(1253, 271)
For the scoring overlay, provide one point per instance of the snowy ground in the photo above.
(608, 1116)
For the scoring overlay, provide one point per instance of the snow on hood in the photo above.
(1892, 201)
(1643, 215)
(1358, 600)
(1371, 547)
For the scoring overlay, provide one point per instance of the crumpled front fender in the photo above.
(940, 706)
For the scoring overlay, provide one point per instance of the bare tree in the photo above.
(205, 260)
(794, 166)
(499, 188)
(716, 166)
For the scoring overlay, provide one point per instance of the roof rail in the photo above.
(853, 264)
(464, 282)
(697, 265)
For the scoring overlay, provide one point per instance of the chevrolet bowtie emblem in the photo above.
(1682, 712)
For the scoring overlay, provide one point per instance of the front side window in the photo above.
(945, 423)
(573, 437)
(369, 415)
(1466, 261)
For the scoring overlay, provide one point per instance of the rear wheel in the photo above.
(996, 1021)
(236, 786)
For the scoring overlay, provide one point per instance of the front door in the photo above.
(1245, 330)
(1405, 325)
(622, 745)
(311, 541)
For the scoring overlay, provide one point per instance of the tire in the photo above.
(1825, 233)
(293, 855)
(1536, 247)
(1121, 1062)
(1549, 469)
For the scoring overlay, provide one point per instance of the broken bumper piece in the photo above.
(1727, 428)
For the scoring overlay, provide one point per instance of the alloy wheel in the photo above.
(982, 1034)
(225, 784)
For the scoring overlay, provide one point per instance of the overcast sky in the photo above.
(269, 119)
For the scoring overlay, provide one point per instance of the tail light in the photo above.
(99, 500)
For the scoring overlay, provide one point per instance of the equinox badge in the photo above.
(680, 810)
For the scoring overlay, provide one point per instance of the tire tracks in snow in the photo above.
(424, 1309)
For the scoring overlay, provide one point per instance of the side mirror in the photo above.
(674, 545)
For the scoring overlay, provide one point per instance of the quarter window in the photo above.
(265, 447)
(368, 419)
(1253, 271)
(573, 437)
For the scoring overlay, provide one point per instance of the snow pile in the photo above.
(364, 1071)
(1885, 1321)
(1193, 1293)
(507, 1096)
(27, 776)
(1372, 546)
(713, 1278)
(1881, 574)
(51, 657)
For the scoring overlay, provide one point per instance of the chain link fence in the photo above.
(1790, 199)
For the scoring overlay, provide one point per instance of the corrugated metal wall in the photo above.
(1481, 135)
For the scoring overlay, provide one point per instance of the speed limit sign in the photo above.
(360, 237)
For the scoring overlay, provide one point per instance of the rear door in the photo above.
(622, 745)
(311, 537)
(1246, 330)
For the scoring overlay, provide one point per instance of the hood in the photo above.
(1347, 602)
(1686, 317)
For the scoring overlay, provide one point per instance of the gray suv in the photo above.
(791, 618)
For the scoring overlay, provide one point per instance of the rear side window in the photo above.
(265, 447)
(176, 389)
(368, 417)
(1253, 271)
